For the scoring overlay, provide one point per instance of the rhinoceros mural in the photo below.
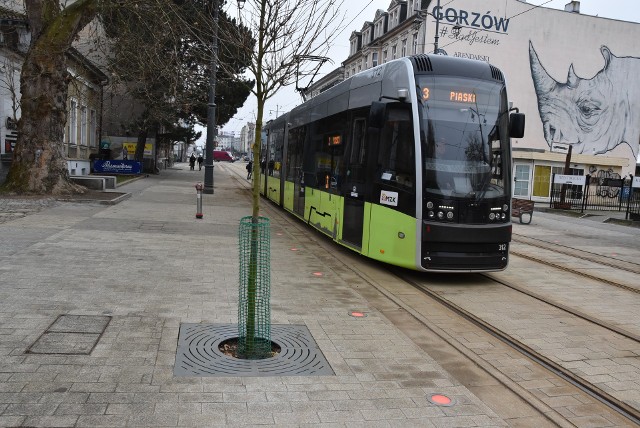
(593, 115)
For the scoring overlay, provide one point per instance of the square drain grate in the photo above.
(198, 353)
(71, 335)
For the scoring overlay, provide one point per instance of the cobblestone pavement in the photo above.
(151, 267)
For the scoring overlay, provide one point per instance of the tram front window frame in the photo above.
(465, 138)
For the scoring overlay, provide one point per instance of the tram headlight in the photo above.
(431, 214)
(504, 216)
(429, 205)
(505, 208)
(440, 215)
(492, 216)
(450, 215)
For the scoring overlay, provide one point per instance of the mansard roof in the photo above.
(366, 25)
(380, 13)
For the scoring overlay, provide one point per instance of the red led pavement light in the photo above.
(440, 400)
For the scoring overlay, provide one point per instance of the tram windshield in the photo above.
(464, 134)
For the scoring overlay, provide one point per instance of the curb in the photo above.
(120, 198)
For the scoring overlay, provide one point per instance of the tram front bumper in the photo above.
(456, 247)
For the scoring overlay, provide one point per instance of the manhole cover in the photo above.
(71, 335)
(198, 353)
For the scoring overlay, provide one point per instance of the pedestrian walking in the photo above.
(192, 162)
(200, 160)
(249, 169)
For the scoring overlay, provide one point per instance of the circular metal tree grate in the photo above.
(198, 353)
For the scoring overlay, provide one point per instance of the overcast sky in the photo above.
(358, 12)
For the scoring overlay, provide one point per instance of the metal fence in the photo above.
(598, 194)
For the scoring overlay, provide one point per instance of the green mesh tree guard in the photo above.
(254, 309)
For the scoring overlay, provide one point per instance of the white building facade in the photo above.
(247, 137)
(573, 75)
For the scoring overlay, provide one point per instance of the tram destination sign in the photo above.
(636, 183)
(454, 95)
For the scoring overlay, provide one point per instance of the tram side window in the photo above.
(320, 158)
(263, 154)
(357, 155)
(329, 152)
(294, 154)
(396, 157)
(275, 155)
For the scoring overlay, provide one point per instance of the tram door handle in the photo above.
(354, 193)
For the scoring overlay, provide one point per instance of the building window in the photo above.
(83, 125)
(394, 51)
(415, 43)
(374, 59)
(73, 122)
(9, 38)
(353, 70)
(404, 47)
(384, 56)
(93, 128)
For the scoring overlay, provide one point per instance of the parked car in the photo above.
(222, 156)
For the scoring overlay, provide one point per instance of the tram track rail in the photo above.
(617, 406)
(583, 254)
(593, 391)
(630, 268)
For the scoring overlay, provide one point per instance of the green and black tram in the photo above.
(408, 163)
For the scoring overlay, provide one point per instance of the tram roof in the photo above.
(373, 78)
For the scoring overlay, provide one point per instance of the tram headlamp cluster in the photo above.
(498, 213)
(440, 212)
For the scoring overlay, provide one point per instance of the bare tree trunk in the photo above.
(39, 161)
(142, 140)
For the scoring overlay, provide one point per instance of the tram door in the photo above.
(295, 173)
(355, 183)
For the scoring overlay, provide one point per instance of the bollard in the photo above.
(199, 189)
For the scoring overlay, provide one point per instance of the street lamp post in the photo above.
(211, 105)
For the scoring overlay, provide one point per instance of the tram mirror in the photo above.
(377, 114)
(516, 125)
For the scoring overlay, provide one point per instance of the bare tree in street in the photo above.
(285, 32)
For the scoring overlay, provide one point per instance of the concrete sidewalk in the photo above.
(150, 265)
